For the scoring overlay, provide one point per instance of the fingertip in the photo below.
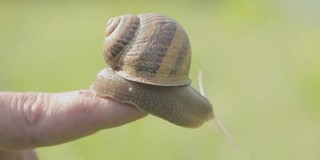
(114, 113)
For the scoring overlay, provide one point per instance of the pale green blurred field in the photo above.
(260, 59)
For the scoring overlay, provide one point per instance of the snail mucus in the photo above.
(149, 58)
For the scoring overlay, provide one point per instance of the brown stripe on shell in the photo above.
(180, 65)
(120, 32)
(161, 33)
(177, 66)
(144, 58)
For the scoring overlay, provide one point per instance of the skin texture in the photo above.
(31, 120)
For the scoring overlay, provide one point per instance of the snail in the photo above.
(149, 58)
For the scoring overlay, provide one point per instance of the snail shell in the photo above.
(149, 56)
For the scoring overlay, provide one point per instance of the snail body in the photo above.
(149, 56)
(191, 109)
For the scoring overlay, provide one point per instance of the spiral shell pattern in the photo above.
(148, 48)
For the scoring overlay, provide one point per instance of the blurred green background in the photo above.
(260, 59)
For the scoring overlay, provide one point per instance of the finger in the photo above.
(18, 155)
(29, 120)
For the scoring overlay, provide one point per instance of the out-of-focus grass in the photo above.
(260, 61)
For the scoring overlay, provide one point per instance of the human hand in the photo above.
(31, 120)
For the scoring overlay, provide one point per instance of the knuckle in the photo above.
(30, 110)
